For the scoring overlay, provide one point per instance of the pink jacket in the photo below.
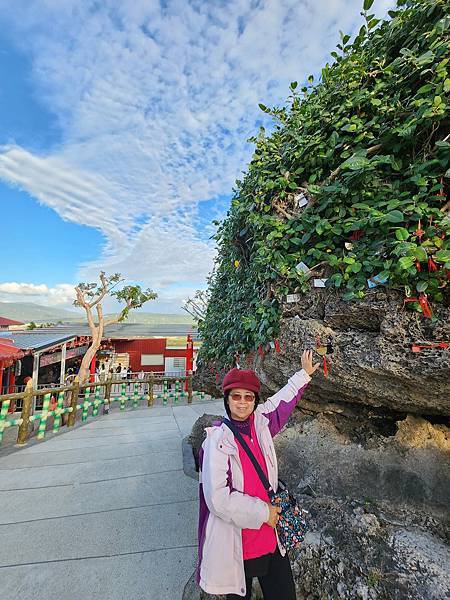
(224, 509)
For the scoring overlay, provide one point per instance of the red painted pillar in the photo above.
(189, 357)
(12, 380)
(92, 370)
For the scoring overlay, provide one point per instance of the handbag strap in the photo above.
(251, 456)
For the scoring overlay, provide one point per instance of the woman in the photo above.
(237, 535)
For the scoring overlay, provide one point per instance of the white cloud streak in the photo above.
(155, 103)
(62, 294)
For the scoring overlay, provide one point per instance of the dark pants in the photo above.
(274, 575)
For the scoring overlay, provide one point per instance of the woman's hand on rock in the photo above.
(274, 512)
(307, 363)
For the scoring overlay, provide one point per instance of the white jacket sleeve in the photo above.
(246, 512)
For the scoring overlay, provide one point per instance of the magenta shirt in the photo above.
(255, 542)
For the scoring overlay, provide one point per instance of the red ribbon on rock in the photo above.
(424, 304)
(440, 345)
(277, 346)
(431, 265)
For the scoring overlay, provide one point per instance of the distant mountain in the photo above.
(27, 311)
(146, 318)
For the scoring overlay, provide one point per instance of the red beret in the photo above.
(241, 378)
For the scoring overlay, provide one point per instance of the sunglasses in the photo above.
(246, 397)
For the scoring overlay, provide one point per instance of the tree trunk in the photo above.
(84, 372)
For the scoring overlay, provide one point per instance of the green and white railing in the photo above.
(67, 404)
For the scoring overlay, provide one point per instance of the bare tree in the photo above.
(90, 297)
(197, 305)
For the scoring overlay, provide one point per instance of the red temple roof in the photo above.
(9, 351)
(4, 322)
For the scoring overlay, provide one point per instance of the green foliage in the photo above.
(90, 295)
(368, 144)
(134, 297)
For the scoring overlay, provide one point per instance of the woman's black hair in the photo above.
(227, 407)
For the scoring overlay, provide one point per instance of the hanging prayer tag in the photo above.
(301, 200)
(322, 350)
(277, 346)
(376, 280)
(272, 345)
(319, 283)
(301, 267)
(293, 298)
(426, 309)
(432, 267)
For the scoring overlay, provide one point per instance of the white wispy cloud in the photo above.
(62, 294)
(155, 102)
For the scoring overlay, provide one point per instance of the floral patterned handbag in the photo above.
(291, 527)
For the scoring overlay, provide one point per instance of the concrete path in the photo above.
(102, 512)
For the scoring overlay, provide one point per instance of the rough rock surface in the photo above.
(378, 497)
(339, 456)
(371, 362)
(198, 433)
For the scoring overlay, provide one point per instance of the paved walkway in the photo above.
(101, 512)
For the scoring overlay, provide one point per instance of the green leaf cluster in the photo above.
(369, 145)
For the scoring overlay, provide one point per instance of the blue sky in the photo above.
(123, 128)
(33, 236)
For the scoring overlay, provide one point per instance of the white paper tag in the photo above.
(301, 200)
(293, 298)
(319, 283)
(302, 267)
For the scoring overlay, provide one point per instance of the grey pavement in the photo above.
(103, 511)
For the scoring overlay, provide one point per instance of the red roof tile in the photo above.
(4, 322)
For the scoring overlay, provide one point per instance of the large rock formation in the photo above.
(371, 361)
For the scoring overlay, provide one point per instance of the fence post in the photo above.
(189, 387)
(150, 390)
(74, 402)
(22, 435)
(107, 400)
